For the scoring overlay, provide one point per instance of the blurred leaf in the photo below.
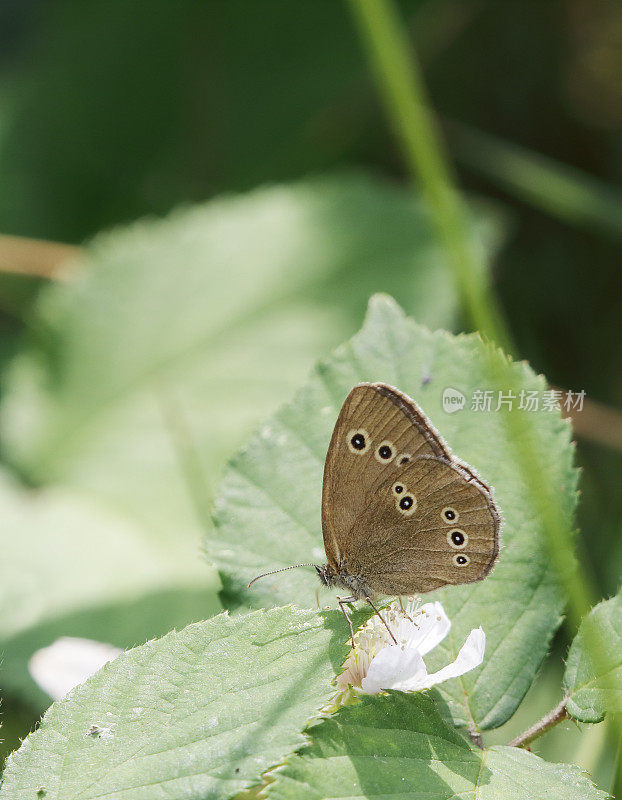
(180, 334)
(268, 510)
(72, 567)
(596, 689)
(398, 746)
(199, 713)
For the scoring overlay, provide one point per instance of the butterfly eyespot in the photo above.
(403, 459)
(358, 441)
(407, 505)
(384, 452)
(457, 538)
(449, 514)
(460, 560)
(398, 488)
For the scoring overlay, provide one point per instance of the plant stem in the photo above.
(36, 257)
(401, 87)
(548, 721)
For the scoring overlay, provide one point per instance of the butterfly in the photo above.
(401, 515)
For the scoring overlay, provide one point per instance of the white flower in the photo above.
(376, 663)
(68, 662)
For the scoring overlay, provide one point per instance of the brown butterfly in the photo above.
(400, 514)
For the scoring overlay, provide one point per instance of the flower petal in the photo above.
(470, 656)
(431, 626)
(393, 667)
(68, 662)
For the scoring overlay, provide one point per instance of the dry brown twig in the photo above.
(36, 257)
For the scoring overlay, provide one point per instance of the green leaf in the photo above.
(71, 567)
(398, 746)
(199, 713)
(595, 686)
(268, 511)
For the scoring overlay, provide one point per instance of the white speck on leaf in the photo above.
(99, 731)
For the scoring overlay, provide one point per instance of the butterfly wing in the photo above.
(433, 523)
(378, 430)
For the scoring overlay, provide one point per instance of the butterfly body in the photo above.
(340, 577)
(400, 514)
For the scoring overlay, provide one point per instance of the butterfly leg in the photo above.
(386, 624)
(341, 601)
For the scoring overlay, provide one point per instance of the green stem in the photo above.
(399, 79)
(548, 721)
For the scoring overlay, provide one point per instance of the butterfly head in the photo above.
(326, 574)
(341, 578)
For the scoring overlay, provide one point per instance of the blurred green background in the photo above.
(126, 387)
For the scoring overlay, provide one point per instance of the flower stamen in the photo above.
(388, 652)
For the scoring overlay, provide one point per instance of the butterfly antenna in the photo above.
(283, 569)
